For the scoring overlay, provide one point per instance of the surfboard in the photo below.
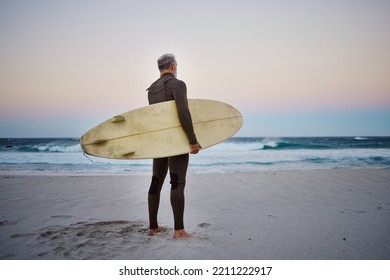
(154, 131)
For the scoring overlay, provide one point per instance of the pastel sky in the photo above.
(293, 68)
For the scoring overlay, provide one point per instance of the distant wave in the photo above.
(42, 145)
(58, 148)
(314, 143)
(287, 145)
(50, 148)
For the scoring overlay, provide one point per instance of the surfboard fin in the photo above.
(129, 154)
(118, 118)
(99, 141)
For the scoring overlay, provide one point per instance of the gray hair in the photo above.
(165, 61)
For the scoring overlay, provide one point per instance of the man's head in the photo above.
(167, 64)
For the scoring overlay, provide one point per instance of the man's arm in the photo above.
(180, 95)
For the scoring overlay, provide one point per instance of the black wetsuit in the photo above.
(167, 88)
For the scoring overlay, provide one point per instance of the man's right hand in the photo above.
(195, 148)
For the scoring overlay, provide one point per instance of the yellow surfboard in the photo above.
(154, 131)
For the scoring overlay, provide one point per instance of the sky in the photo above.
(293, 68)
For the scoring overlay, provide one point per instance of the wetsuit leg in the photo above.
(160, 169)
(178, 169)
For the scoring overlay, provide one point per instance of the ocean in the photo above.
(237, 154)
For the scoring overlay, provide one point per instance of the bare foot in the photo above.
(181, 233)
(153, 231)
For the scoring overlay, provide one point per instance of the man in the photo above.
(166, 88)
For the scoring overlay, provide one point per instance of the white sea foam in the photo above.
(58, 148)
(360, 138)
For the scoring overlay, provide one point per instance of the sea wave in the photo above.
(360, 138)
(283, 145)
(58, 148)
(310, 143)
(70, 145)
(233, 155)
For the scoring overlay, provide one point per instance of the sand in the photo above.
(284, 215)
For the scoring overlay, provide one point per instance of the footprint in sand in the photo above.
(91, 240)
(3, 223)
(383, 206)
(7, 222)
(61, 216)
(355, 211)
(21, 235)
(204, 225)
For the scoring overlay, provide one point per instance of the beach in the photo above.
(327, 214)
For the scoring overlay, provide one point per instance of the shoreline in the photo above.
(287, 214)
(113, 174)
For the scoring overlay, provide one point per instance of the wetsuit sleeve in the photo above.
(180, 96)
